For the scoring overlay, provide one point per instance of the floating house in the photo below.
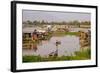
(28, 32)
(85, 38)
(31, 34)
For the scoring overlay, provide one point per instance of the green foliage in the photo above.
(84, 54)
(79, 55)
(72, 33)
(57, 33)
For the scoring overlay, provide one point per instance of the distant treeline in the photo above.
(59, 23)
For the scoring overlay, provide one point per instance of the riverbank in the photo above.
(59, 33)
(79, 55)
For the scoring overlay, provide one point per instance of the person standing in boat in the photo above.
(35, 35)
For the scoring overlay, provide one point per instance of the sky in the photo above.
(52, 16)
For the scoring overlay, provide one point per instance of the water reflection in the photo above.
(56, 46)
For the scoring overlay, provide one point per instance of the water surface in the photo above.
(69, 44)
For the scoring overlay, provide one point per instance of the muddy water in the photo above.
(68, 45)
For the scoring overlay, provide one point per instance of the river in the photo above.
(69, 44)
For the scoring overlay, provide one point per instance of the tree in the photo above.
(43, 22)
(29, 22)
(76, 23)
(35, 22)
(86, 23)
